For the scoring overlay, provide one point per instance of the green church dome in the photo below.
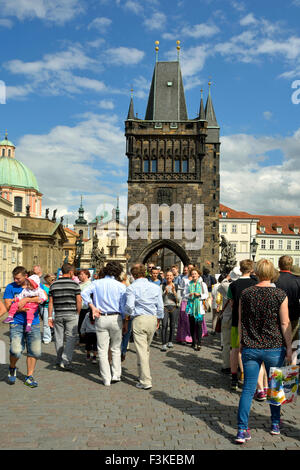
(7, 142)
(104, 215)
(15, 174)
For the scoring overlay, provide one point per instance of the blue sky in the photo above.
(69, 65)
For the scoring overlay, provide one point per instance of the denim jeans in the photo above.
(19, 338)
(170, 313)
(252, 360)
(46, 327)
(126, 338)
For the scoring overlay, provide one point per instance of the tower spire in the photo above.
(210, 115)
(81, 220)
(201, 110)
(131, 107)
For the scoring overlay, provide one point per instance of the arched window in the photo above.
(18, 204)
(177, 165)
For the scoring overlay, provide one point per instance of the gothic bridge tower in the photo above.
(173, 160)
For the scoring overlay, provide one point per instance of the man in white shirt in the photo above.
(144, 304)
(107, 306)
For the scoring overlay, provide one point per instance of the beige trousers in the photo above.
(109, 334)
(144, 327)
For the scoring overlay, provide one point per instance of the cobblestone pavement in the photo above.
(190, 406)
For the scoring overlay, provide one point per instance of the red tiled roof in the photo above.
(232, 214)
(67, 229)
(270, 222)
(286, 222)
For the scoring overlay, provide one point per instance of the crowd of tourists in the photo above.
(254, 308)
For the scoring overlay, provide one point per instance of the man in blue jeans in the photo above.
(18, 336)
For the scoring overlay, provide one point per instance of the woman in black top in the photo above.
(265, 336)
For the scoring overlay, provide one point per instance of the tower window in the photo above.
(184, 166)
(177, 166)
(146, 166)
(153, 166)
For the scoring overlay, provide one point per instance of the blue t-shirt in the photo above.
(20, 317)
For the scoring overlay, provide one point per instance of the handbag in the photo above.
(218, 327)
(283, 385)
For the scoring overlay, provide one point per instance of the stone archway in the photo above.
(159, 244)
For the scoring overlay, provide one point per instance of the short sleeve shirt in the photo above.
(10, 292)
(260, 320)
(64, 292)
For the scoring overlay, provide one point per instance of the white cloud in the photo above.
(248, 19)
(124, 56)
(134, 6)
(101, 24)
(106, 104)
(249, 182)
(193, 60)
(69, 161)
(57, 11)
(156, 22)
(202, 30)
(55, 74)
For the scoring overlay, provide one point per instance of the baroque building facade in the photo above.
(173, 163)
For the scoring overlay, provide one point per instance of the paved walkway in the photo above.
(190, 406)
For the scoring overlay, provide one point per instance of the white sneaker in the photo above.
(170, 345)
(164, 347)
(143, 387)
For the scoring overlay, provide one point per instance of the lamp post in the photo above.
(253, 248)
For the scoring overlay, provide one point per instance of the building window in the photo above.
(224, 228)
(280, 244)
(289, 244)
(5, 225)
(184, 166)
(3, 152)
(297, 245)
(271, 244)
(234, 228)
(18, 204)
(113, 248)
(146, 166)
(244, 228)
(9, 152)
(234, 247)
(164, 196)
(4, 251)
(263, 244)
(153, 166)
(177, 166)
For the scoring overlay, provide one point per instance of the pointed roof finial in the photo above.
(209, 109)
(156, 49)
(178, 50)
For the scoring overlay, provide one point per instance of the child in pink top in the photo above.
(32, 289)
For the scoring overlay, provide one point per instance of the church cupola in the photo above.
(7, 148)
